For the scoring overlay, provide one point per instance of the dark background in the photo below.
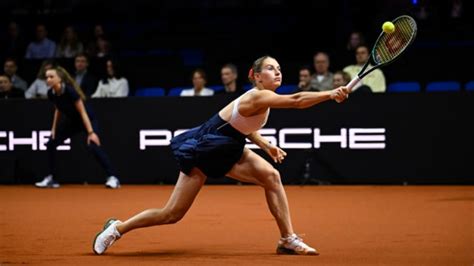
(161, 42)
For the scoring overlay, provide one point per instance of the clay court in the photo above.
(230, 225)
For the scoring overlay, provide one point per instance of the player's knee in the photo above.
(272, 179)
(174, 216)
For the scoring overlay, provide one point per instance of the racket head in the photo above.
(389, 46)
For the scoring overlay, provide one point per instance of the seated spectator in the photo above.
(39, 89)
(199, 81)
(322, 78)
(304, 83)
(342, 78)
(13, 44)
(229, 75)
(69, 46)
(7, 91)
(103, 48)
(10, 68)
(375, 80)
(355, 39)
(92, 46)
(42, 47)
(86, 80)
(113, 84)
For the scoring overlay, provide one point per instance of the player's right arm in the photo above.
(263, 99)
(56, 117)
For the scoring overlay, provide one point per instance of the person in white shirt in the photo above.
(375, 80)
(199, 81)
(39, 89)
(114, 84)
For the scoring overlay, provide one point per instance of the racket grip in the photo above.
(353, 82)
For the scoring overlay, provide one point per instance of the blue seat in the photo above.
(470, 86)
(248, 86)
(404, 86)
(435, 86)
(216, 88)
(286, 89)
(175, 91)
(146, 92)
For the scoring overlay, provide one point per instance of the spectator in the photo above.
(69, 46)
(375, 80)
(42, 47)
(322, 78)
(39, 89)
(356, 38)
(86, 81)
(10, 68)
(342, 78)
(113, 84)
(7, 90)
(103, 47)
(199, 81)
(229, 75)
(13, 43)
(304, 83)
(92, 46)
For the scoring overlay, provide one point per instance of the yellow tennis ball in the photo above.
(388, 27)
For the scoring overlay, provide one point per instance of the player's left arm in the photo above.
(276, 153)
(91, 136)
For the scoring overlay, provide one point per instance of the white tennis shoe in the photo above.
(294, 245)
(107, 237)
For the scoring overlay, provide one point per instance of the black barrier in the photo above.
(370, 139)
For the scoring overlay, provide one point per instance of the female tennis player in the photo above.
(72, 116)
(217, 148)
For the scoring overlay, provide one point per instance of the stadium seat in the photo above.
(436, 86)
(470, 86)
(175, 91)
(404, 86)
(216, 88)
(155, 91)
(248, 86)
(286, 89)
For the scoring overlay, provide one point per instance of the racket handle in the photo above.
(353, 82)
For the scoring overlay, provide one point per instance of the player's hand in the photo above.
(277, 154)
(93, 138)
(340, 94)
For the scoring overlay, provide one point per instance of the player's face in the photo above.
(52, 78)
(270, 76)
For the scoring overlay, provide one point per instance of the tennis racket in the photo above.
(388, 47)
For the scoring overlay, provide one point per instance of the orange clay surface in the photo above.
(231, 225)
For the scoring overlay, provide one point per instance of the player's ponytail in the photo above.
(66, 78)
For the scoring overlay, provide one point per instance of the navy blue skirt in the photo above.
(214, 148)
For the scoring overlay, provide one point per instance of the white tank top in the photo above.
(247, 124)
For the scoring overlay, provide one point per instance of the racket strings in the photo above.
(391, 45)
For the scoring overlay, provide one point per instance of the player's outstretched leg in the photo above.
(254, 169)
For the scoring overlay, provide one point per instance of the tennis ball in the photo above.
(388, 27)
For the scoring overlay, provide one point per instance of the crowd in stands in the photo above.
(111, 81)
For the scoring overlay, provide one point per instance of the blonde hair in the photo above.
(66, 78)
